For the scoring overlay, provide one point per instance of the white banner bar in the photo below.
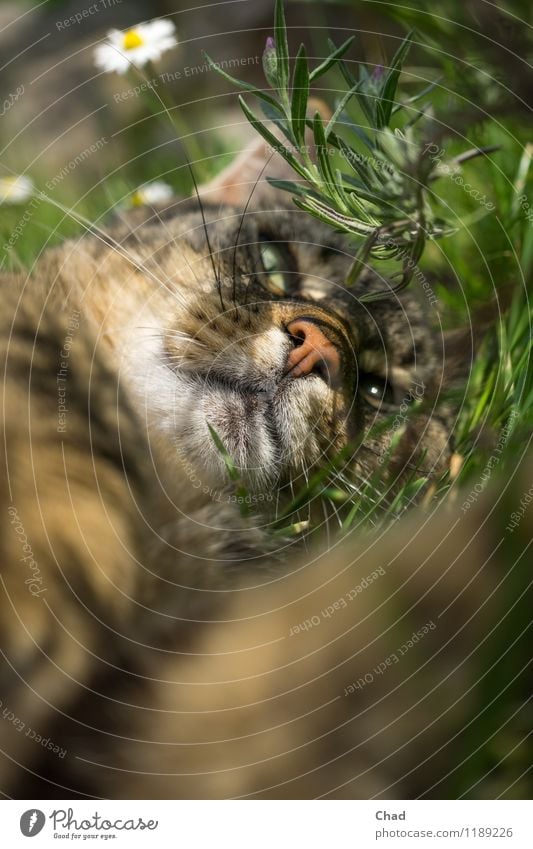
(268, 824)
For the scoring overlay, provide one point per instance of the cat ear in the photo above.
(246, 177)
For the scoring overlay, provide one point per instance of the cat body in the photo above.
(148, 626)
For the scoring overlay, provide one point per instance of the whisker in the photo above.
(106, 239)
(241, 222)
(188, 339)
(305, 471)
(193, 178)
(133, 231)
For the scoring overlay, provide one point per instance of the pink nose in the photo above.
(313, 353)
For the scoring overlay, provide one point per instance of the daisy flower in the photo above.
(136, 46)
(15, 189)
(150, 193)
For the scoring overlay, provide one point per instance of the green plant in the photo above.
(369, 178)
(371, 173)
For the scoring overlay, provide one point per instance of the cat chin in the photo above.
(273, 428)
(243, 422)
(267, 434)
(270, 435)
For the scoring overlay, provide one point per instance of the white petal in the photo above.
(160, 28)
(155, 192)
(110, 58)
(115, 36)
(141, 55)
(16, 189)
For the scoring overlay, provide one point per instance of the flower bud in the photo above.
(270, 62)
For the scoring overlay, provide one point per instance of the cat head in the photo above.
(234, 327)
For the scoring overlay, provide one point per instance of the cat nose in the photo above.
(313, 352)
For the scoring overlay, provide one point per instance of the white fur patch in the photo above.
(267, 423)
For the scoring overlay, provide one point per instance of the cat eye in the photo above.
(377, 391)
(274, 264)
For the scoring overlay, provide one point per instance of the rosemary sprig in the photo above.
(367, 181)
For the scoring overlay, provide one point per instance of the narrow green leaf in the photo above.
(474, 152)
(241, 490)
(277, 116)
(272, 140)
(356, 129)
(361, 259)
(328, 63)
(333, 138)
(357, 162)
(418, 115)
(342, 103)
(363, 194)
(380, 115)
(230, 465)
(367, 103)
(345, 223)
(323, 156)
(302, 189)
(300, 95)
(242, 84)
(347, 74)
(282, 46)
(410, 100)
(391, 80)
(358, 205)
(364, 89)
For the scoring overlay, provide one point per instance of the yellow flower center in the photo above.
(131, 39)
(137, 199)
(9, 187)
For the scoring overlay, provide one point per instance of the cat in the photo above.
(156, 642)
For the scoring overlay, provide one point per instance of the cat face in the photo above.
(247, 334)
(238, 329)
